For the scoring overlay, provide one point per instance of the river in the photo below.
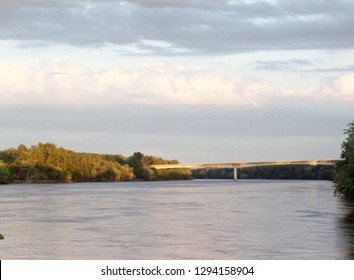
(200, 219)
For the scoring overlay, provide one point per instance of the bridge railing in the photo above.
(243, 164)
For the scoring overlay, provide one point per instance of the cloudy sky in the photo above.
(197, 81)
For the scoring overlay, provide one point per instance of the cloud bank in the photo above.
(73, 84)
(189, 27)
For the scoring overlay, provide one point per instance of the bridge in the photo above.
(236, 165)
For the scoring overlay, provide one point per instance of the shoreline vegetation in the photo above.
(47, 163)
(344, 180)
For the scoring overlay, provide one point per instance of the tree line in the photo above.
(290, 172)
(49, 163)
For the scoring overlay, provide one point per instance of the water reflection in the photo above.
(176, 220)
(346, 226)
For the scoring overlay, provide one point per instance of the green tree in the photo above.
(344, 180)
(138, 162)
(5, 174)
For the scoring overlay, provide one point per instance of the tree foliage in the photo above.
(5, 174)
(140, 164)
(48, 163)
(290, 172)
(344, 180)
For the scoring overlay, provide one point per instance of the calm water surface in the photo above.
(205, 219)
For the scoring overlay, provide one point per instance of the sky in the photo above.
(196, 81)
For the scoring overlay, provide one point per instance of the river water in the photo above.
(200, 219)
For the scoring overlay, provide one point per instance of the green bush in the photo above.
(5, 175)
(344, 179)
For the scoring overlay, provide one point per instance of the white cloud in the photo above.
(70, 83)
(46, 83)
(341, 88)
(338, 89)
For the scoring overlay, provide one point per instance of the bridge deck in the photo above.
(243, 164)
